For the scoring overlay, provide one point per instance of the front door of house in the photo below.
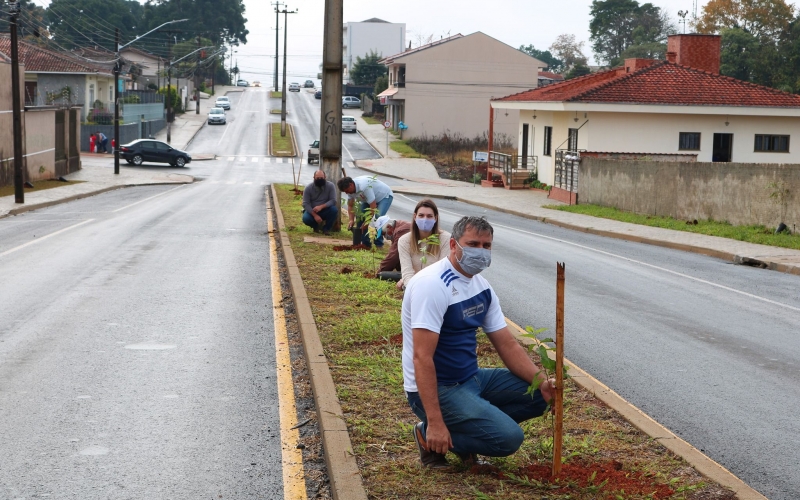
(723, 148)
(525, 145)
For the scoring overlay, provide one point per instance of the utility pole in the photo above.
(168, 63)
(197, 81)
(117, 65)
(16, 103)
(330, 133)
(286, 13)
(277, 30)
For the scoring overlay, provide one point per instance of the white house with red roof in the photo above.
(678, 106)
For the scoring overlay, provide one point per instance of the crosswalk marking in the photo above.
(231, 182)
(231, 158)
(255, 159)
(243, 158)
(248, 182)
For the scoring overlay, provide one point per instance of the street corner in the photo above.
(203, 157)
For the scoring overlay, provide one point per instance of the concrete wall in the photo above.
(40, 143)
(739, 193)
(657, 134)
(448, 86)
(7, 123)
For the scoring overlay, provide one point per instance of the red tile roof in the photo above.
(661, 83)
(39, 59)
(550, 75)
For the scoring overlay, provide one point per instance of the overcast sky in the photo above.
(515, 22)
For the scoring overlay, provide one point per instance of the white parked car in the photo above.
(294, 87)
(348, 124)
(223, 102)
(216, 115)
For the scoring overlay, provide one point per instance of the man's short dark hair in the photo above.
(479, 224)
(344, 183)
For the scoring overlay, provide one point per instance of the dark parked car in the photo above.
(150, 151)
(318, 94)
(309, 84)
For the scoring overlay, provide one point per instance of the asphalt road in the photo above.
(709, 349)
(136, 341)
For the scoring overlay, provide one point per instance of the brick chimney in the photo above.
(696, 51)
(632, 65)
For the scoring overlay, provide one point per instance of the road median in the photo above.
(283, 146)
(355, 341)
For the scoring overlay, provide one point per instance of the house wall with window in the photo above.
(661, 133)
(53, 84)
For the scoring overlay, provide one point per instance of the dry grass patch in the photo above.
(358, 321)
(38, 186)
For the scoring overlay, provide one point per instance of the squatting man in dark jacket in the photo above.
(468, 410)
(319, 204)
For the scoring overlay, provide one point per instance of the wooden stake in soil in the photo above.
(559, 396)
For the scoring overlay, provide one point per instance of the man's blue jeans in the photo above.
(382, 208)
(328, 215)
(483, 413)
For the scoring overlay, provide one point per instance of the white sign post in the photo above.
(386, 125)
(478, 157)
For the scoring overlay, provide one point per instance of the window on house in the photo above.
(573, 139)
(111, 94)
(91, 95)
(30, 93)
(548, 140)
(772, 143)
(689, 141)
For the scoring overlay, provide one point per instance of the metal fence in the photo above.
(567, 162)
(517, 171)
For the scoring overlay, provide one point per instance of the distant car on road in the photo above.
(294, 87)
(222, 102)
(150, 151)
(256, 83)
(351, 102)
(216, 115)
(242, 83)
(348, 124)
(318, 94)
(313, 153)
(309, 84)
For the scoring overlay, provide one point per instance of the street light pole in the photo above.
(117, 69)
(16, 103)
(277, 31)
(283, 90)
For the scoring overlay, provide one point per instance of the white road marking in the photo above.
(242, 158)
(255, 159)
(147, 199)
(231, 158)
(223, 135)
(214, 182)
(230, 182)
(37, 240)
(247, 183)
(634, 261)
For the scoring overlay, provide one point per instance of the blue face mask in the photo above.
(425, 224)
(474, 260)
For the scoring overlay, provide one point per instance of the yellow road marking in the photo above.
(294, 484)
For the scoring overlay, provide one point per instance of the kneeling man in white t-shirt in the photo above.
(468, 410)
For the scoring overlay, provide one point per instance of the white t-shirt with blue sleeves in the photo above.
(444, 301)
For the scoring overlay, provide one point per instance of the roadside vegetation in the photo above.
(37, 186)
(281, 146)
(751, 234)
(451, 153)
(358, 318)
(402, 147)
(275, 94)
(372, 119)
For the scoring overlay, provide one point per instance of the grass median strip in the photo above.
(358, 319)
(751, 234)
(281, 146)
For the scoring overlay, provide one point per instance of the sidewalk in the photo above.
(528, 204)
(97, 179)
(374, 134)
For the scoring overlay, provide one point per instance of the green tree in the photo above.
(367, 69)
(739, 53)
(381, 84)
(577, 70)
(32, 22)
(222, 21)
(74, 23)
(554, 64)
(618, 24)
(765, 19)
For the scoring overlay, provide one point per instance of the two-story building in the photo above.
(675, 107)
(445, 86)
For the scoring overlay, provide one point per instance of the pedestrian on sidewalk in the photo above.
(371, 194)
(425, 244)
(468, 410)
(389, 269)
(319, 204)
(102, 142)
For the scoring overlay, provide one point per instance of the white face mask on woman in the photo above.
(425, 225)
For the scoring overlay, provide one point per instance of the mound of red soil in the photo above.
(344, 248)
(346, 270)
(616, 479)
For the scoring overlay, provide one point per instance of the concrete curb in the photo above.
(189, 142)
(646, 424)
(719, 254)
(37, 206)
(343, 473)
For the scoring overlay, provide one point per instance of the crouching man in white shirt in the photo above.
(468, 410)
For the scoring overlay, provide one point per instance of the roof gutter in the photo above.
(670, 109)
